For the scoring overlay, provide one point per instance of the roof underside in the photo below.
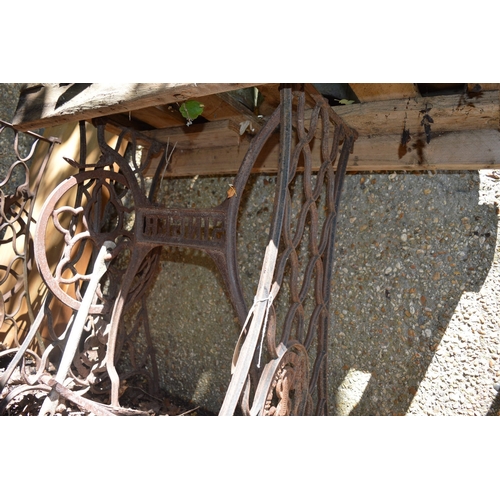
(448, 126)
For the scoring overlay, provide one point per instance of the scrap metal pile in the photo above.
(97, 242)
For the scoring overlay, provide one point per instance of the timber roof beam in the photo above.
(401, 126)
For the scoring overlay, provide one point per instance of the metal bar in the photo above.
(258, 312)
(33, 134)
(66, 393)
(100, 267)
(21, 351)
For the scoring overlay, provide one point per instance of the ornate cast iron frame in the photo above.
(111, 232)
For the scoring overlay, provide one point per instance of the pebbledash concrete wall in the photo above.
(415, 307)
(9, 94)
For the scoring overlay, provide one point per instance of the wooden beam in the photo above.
(201, 136)
(159, 116)
(449, 113)
(217, 109)
(367, 92)
(243, 111)
(46, 105)
(482, 87)
(271, 98)
(460, 150)
(224, 106)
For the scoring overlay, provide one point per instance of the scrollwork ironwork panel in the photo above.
(279, 365)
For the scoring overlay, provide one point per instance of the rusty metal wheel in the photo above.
(77, 218)
(283, 388)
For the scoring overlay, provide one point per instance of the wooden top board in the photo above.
(464, 131)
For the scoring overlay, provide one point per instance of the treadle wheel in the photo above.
(288, 387)
(81, 214)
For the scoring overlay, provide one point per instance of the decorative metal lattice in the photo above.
(18, 192)
(98, 243)
(84, 251)
(297, 268)
(23, 167)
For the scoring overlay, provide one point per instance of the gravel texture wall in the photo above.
(9, 94)
(415, 309)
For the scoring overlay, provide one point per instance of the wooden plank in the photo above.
(271, 95)
(243, 111)
(216, 109)
(159, 116)
(48, 105)
(367, 92)
(218, 160)
(220, 107)
(200, 136)
(226, 106)
(461, 150)
(449, 113)
(482, 87)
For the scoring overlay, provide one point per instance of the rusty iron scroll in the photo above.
(279, 363)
